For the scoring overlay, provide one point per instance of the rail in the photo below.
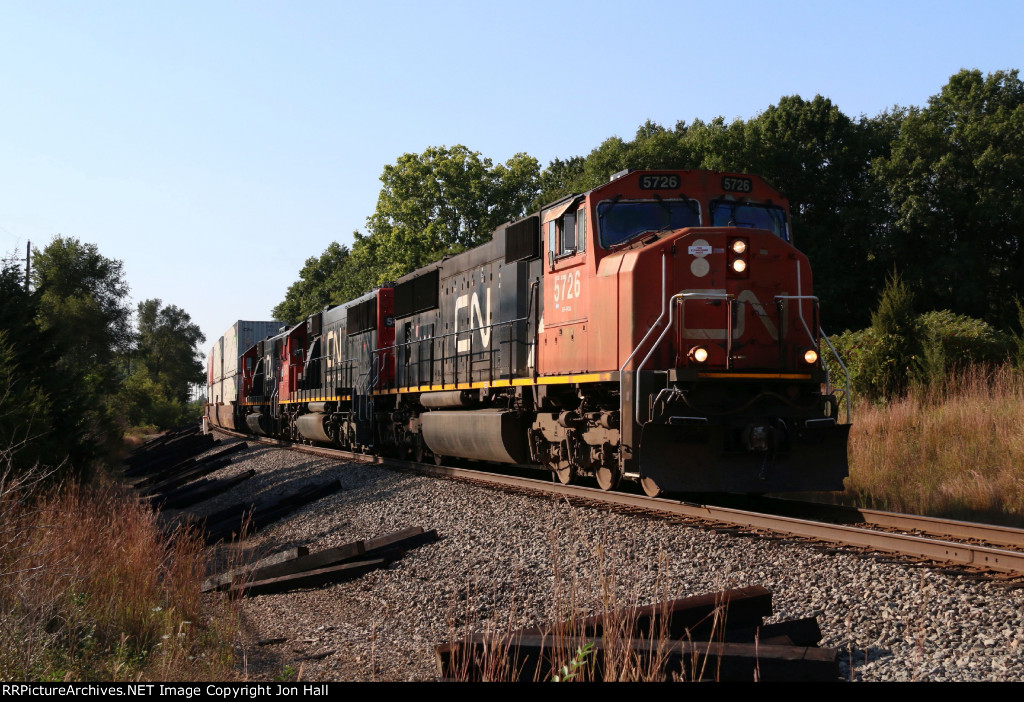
(1005, 559)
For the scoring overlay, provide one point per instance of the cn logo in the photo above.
(747, 297)
(477, 320)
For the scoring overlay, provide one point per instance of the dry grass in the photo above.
(955, 451)
(91, 589)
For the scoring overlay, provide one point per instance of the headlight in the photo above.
(698, 354)
(737, 251)
(810, 357)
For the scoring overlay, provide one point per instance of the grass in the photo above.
(954, 450)
(92, 590)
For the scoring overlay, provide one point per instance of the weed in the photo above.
(575, 666)
(92, 589)
(287, 674)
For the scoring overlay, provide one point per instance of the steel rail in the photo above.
(903, 544)
(908, 545)
(948, 528)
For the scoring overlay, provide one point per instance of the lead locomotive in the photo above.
(660, 328)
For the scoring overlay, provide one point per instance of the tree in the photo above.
(559, 179)
(955, 183)
(82, 301)
(320, 282)
(81, 308)
(894, 360)
(818, 157)
(169, 347)
(46, 411)
(442, 201)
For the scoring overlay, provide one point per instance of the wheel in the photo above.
(565, 472)
(651, 487)
(438, 459)
(608, 477)
(421, 451)
(561, 466)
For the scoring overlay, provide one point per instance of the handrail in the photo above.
(679, 297)
(835, 354)
(657, 322)
(842, 365)
(456, 334)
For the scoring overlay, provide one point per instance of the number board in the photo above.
(659, 182)
(732, 184)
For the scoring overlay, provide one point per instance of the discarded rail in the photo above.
(720, 636)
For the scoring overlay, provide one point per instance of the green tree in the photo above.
(559, 179)
(955, 182)
(820, 159)
(442, 201)
(893, 362)
(81, 307)
(168, 347)
(45, 409)
(320, 282)
(83, 301)
(817, 156)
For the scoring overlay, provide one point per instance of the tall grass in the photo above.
(953, 449)
(91, 589)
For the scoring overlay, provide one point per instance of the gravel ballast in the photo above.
(510, 561)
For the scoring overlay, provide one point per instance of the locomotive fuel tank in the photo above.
(488, 435)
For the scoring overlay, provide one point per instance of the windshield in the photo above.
(618, 221)
(729, 213)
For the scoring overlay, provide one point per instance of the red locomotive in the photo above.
(660, 328)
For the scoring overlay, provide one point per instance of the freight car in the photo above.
(660, 328)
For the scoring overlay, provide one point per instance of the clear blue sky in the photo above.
(214, 146)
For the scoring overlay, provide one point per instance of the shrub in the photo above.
(893, 360)
(953, 341)
(884, 365)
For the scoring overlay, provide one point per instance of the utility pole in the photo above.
(28, 263)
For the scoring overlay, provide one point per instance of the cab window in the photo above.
(568, 234)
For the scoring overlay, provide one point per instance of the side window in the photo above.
(568, 234)
(581, 229)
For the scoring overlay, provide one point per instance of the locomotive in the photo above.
(660, 328)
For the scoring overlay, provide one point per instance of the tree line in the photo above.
(75, 370)
(934, 194)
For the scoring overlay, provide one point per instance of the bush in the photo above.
(885, 365)
(953, 341)
(893, 361)
(145, 402)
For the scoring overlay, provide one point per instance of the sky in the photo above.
(214, 146)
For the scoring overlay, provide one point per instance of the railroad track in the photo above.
(989, 551)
